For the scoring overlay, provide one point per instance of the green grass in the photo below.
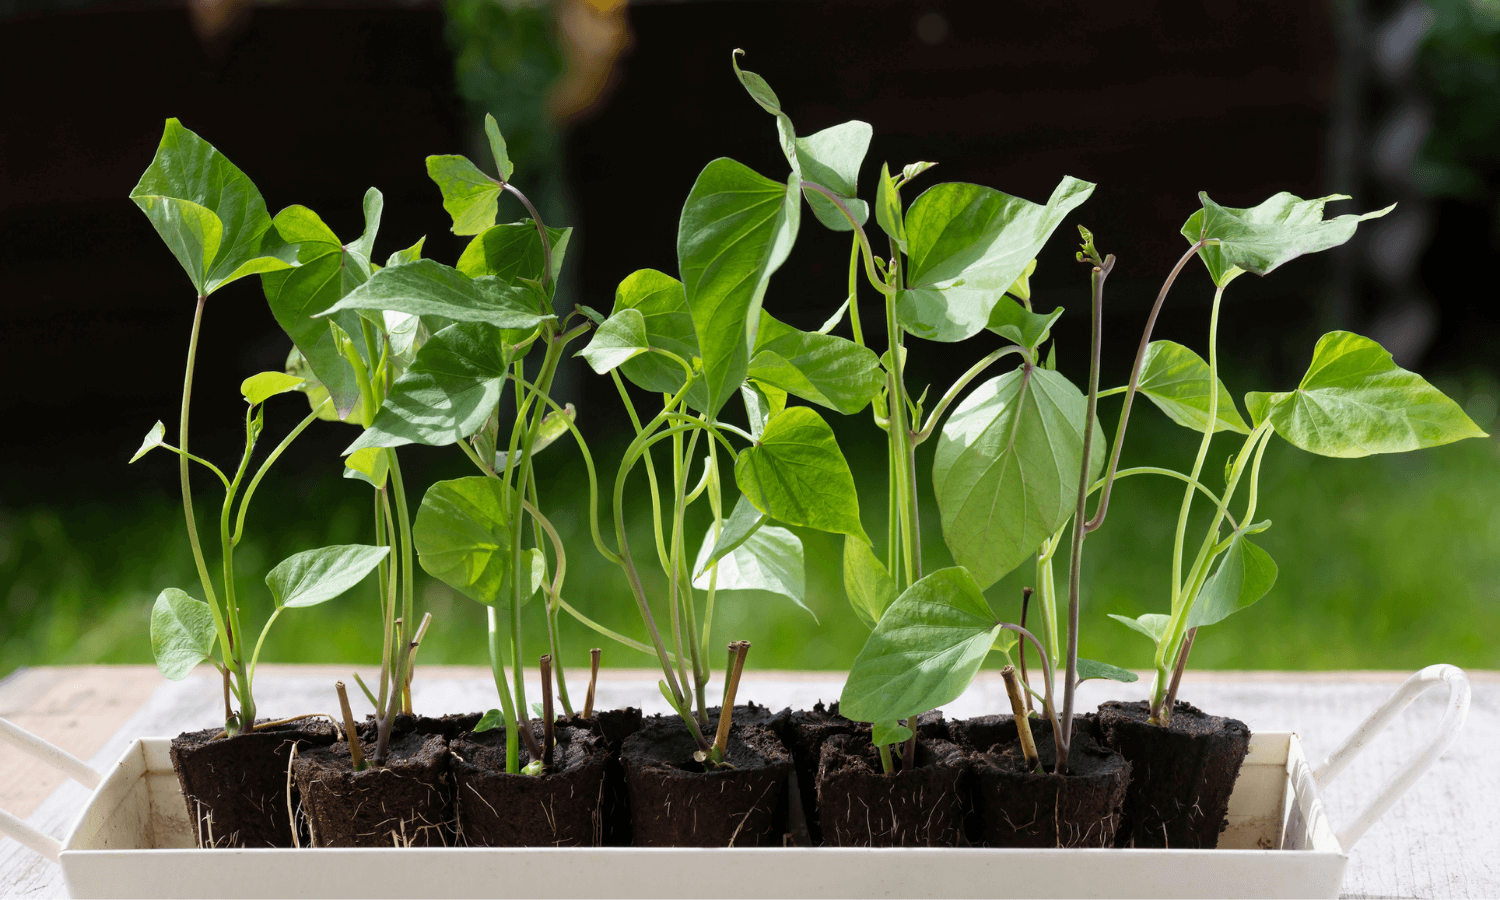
(1385, 562)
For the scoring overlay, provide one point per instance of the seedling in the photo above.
(1354, 401)
(483, 316)
(214, 220)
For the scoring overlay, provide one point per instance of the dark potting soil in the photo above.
(1016, 807)
(449, 726)
(981, 733)
(236, 787)
(614, 726)
(861, 806)
(804, 734)
(405, 803)
(563, 807)
(675, 803)
(1184, 773)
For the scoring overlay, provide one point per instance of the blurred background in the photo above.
(611, 109)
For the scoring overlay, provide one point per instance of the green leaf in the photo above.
(514, 252)
(471, 197)
(409, 255)
(1176, 380)
(182, 633)
(296, 296)
(1006, 469)
(315, 576)
(497, 148)
(1264, 237)
(1152, 625)
(736, 229)
(370, 465)
(797, 474)
(833, 321)
(669, 326)
(462, 534)
(1021, 288)
(820, 368)
(912, 170)
(968, 245)
(1089, 668)
(768, 561)
(925, 651)
(1355, 401)
(622, 337)
(153, 440)
(766, 98)
(364, 248)
(743, 522)
(762, 401)
(888, 208)
(1244, 575)
(536, 564)
(313, 389)
(428, 288)
(554, 425)
(490, 721)
(869, 586)
(259, 388)
(208, 212)
(883, 734)
(450, 390)
(832, 157)
(1015, 323)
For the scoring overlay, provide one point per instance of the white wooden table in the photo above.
(1441, 840)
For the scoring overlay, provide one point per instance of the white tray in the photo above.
(133, 839)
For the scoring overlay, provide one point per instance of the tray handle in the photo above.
(1447, 731)
(55, 756)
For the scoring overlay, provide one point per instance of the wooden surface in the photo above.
(1440, 840)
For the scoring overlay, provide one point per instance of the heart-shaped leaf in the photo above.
(1090, 668)
(768, 561)
(1355, 401)
(967, 245)
(370, 465)
(621, 338)
(316, 576)
(1245, 574)
(797, 474)
(462, 535)
(154, 439)
(208, 212)
(925, 651)
(869, 586)
(832, 158)
(428, 288)
(1262, 238)
(450, 390)
(820, 368)
(1176, 380)
(1152, 625)
(259, 388)
(503, 164)
(743, 522)
(182, 633)
(669, 326)
(737, 228)
(1014, 322)
(471, 197)
(1006, 469)
(762, 401)
(888, 208)
(513, 252)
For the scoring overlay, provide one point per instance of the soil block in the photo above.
(674, 802)
(804, 735)
(236, 787)
(861, 806)
(562, 808)
(1184, 773)
(614, 725)
(1016, 807)
(981, 733)
(408, 802)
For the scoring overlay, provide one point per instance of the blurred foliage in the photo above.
(1386, 563)
(1460, 62)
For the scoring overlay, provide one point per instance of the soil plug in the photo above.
(356, 752)
(588, 700)
(547, 740)
(1023, 722)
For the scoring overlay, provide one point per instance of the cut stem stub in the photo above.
(588, 700)
(1023, 721)
(356, 752)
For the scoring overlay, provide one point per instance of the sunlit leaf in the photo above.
(1176, 380)
(744, 520)
(1264, 237)
(796, 474)
(462, 534)
(768, 561)
(315, 576)
(154, 439)
(261, 387)
(622, 337)
(820, 368)
(1244, 575)
(182, 633)
(866, 582)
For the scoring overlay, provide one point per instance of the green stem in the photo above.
(1208, 435)
(859, 337)
(407, 566)
(974, 372)
(555, 588)
(507, 703)
(239, 524)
